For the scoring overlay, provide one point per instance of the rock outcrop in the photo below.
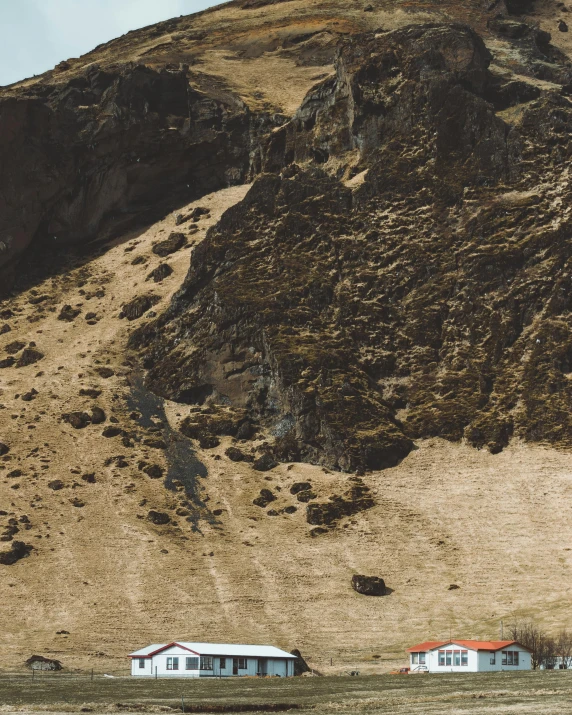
(420, 291)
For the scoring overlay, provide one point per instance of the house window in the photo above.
(493, 658)
(172, 663)
(242, 664)
(206, 662)
(223, 663)
(441, 657)
(509, 657)
(192, 663)
(457, 657)
(414, 658)
(464, 657)
(448, 657)
(422, 658)
(141, 662)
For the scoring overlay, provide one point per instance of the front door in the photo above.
(262, 666)
(235, 666)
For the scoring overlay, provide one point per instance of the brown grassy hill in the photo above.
(392, 292)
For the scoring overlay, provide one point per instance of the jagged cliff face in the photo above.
(421, 290)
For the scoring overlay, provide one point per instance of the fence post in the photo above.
(155, 672)
(182, 703)
(92, 673)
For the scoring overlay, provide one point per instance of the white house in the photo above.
(462, 656)
(210, 660)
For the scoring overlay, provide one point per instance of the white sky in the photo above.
(37, 34)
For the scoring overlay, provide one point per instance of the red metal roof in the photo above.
(469, 645)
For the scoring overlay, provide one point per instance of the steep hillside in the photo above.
(289, 302)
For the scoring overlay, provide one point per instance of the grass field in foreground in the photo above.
(539, 692)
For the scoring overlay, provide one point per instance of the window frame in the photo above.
(222, 663)
(242, 663)
(448, 658)
(206, 660)
(464, 658)
(142, 662)
(194, 658)
(493, 658)
(172, 662)
(441, 657)
(414, 658)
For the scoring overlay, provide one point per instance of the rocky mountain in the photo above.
(375, 196)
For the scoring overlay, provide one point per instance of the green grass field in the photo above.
(526, 692)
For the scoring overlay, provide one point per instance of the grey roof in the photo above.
(225, 649)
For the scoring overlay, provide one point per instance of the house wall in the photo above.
(274, 666)
(524, 660)
(432, 662)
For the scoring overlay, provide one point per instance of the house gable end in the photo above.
(170, 646)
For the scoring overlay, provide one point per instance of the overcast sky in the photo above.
(37, 34)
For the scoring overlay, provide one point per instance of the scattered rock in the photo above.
(28, 357)
(155, 443)
(300, 665)
(265, 498)
(18, 550)
(158, 517)
(237, 455)
(77, 502)
(29, 396)
(90, 392)
(38, 662)
(137, 307)
(89, 477)
(14, 474)
(265, 463)
(112, 431)
(562, 26)
(14, 347)
(105, 372)
(290, 509)
(5, 328)
(208, 441)
(318, 531)
(7, 362)
(138, 260)
(246, 431)
(175, 242)
(355, 500)
(306, 496)
(300, 487)
(97, 416)
(4, 449)
(78, 420)
(56, 485)
(158, 274)
(453, 587)
(369, 585)
(68, 313)
(154, 471)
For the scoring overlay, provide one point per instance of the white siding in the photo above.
(478, 661)
(156, 665)
(485, 665)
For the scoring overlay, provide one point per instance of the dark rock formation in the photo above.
(56, 485)
(175, 242)
(111, 431)
(237, 455)
(428, 273)
(356, 499)
(264, 463)
(18, 550)
(78, 420)
(306, 496)
(68, 313)
(265, 498)
(39, 662)
(97, 416)
(4, 449)
(369, 585)
(105, 372)
(154, 471)
(300, 665)
(112, 147)
(30, 395)
(138, 306)
(158, 517)
(28, 357)
(159, 274)
(14, 347)
(298, 487)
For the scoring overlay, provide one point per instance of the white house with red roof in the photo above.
(461, 656)
(210, 660)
